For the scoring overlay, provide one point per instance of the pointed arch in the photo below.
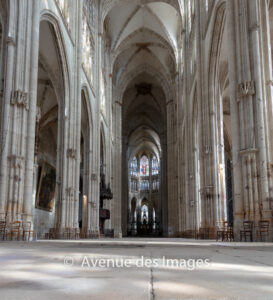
(90, 111)
(102, 146)
(149, 69)
(48, 16)
(217, 35)
(108, 5)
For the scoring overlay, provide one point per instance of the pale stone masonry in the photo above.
(86, 85)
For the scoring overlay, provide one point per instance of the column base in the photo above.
(117, 234)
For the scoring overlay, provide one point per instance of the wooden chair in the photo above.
(91, 234)
(219, 235)
(3, 229)
(230, 233)
(52, 234)
(222, 233)
(263, 230)
(15, 229)
(27, 232)
(247, 231)
(68, 233)
(77, 233)
(204, 233)
(83, 233)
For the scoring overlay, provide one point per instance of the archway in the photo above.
(85, 167)
(219, 101)
(132, 230)
(195, 204)
(144, 137)
(49, 128)
(1, 59)
(105, 190)
(144, 51)
(225, 135)
(144, 183)
(1, 46)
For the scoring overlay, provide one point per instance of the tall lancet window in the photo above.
(134, 167)
(87, 39)
(102, 92)
(89, 13)
(65, 7)
(144, 166)
(155, 167)
(189, 16)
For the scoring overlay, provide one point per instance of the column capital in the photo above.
(20, 98)
(246, 88)
(71, 153)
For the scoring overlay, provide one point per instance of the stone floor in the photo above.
(92, 269)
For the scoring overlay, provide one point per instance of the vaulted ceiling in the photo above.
(144, 38)
(143, 33)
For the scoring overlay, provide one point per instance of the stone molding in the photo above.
(207, 191)
(248, 151)
(70, 192)
(93, 204)
(20, 98)
(11, 40)
(94, 177)
(246, 88)
(207, 149)
(16, 161)
(71, 153)
(269, 82)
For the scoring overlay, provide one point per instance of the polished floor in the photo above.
(135, 269)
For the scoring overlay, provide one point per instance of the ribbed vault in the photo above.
(144, 39)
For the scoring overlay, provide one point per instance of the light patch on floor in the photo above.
(38, 270)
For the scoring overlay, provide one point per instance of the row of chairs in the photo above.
(262, 230)
(69, 234)
(225, 233)
(203, 233)
(246, 233)
(18, 230)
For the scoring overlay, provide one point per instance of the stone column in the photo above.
(172, 175)
(150, 211)
(31, 122)
(124, 186)
(238, 206)
(266, 49)
(221, 204)
(207, 165)
(159, 203)
(78, 107)
(182, 106)
(250, 162)
(255, 27)
(5, 134)
(117, 174)
(94, 201)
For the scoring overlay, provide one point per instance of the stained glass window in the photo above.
(144, 214)
(88, 10)
(144, 166)
(65, 7)
(144, 185)
(189, 15)
(102, 91)
(134, 167)
(134, 185)
(87, 39)
(155, 184)
(154, 166)
(207, 5)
